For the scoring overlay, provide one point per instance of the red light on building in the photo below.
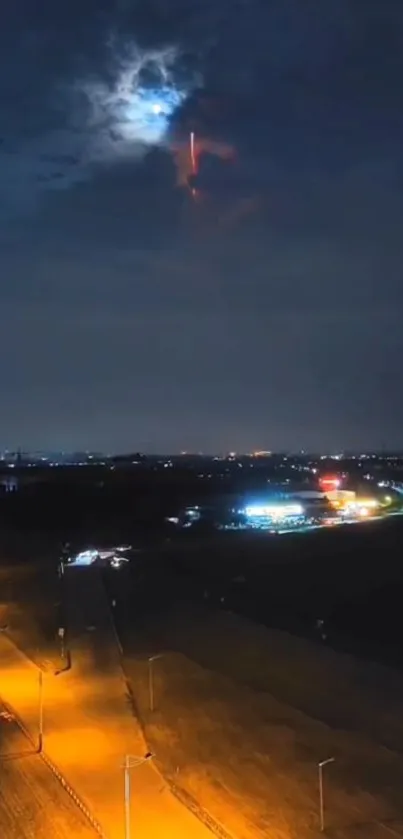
(329, 482)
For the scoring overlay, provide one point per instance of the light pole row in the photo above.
(131, 762)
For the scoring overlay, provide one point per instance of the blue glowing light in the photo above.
(85, 558)
(146, 113)
(273, 510)
(134, 110)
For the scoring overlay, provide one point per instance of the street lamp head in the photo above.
(132, 761)
(325, 762)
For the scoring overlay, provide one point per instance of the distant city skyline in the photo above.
(45, 455)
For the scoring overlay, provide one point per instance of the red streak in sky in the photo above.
(193, 153)
(193, 160)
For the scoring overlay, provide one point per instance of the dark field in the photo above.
(350, 578)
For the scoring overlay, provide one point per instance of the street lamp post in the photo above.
(40, 713)
(321, 798)
(62, 633)
(151, 660)
(130, 763)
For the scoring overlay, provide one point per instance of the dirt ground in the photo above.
(250, 759)
(336, 688)
(30, 608)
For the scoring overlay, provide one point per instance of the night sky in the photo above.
(263, 311)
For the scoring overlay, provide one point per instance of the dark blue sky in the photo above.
(266, 315)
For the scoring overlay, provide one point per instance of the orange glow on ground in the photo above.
(88, 728)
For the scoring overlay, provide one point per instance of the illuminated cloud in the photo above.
(115, 114)
(132, 111)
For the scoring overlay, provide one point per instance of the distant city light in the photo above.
(369, 503)
(261, 454)
(84, 558)
(91, 555)
(330, 481)
(274, 511)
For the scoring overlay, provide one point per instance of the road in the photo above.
(33, 804)
(155, 811)
(89, 725)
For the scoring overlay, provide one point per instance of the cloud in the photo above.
(133, 111)
(90, 120)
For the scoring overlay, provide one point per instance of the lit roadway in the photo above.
(89, 725)
(32, 801)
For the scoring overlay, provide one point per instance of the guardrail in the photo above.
(56, 772)
(49, 763)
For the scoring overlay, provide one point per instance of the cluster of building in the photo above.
(289, 509)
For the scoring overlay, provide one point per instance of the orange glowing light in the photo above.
(187, 155)
(192, 152)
